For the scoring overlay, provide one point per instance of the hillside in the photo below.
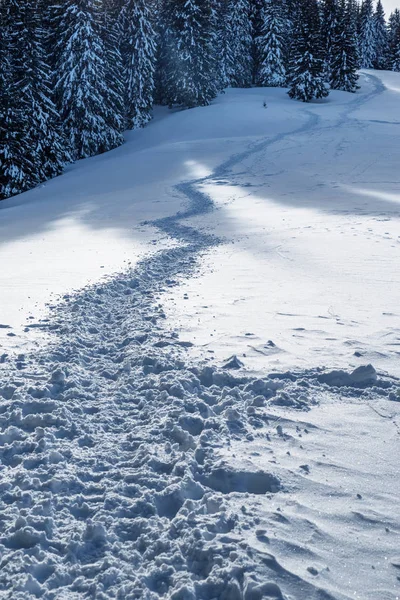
(139, 460)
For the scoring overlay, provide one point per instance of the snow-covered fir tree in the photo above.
(393, 60)
(51, 149)
(381, 38)
(16, 168)
(32, 147)
(307, 69)
(343, 72)
(222, 42)
(367, 49)
(329, 15)
(86, 104)
(256, 18)
(271, 45)
(239, 44)
(139, 58)
(110, 31)
(188, 63)
(354, 12)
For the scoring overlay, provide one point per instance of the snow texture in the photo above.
(130, 469)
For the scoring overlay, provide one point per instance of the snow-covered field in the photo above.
(137, 461)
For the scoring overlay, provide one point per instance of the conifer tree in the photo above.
(16, 169)
(239, 44)
(367, 48)
(329, 15)
(188, 76)
(110, 31)
(51, 149)
(393, 62)
(257, 8)
(271, 44)
(32, 149)
(396, 58)
(160, 13)
(306, 71)
(139, 58)
(381, 39)
(344, 52)
(222, 43)
(86, 104)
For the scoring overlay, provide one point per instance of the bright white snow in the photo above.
(136, 460)
(313, 238)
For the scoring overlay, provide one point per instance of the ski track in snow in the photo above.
(112, 483)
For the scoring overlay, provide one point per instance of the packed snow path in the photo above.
(129, 470)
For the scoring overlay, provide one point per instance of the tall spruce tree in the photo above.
(110, 31)
(51, 149)
(222, 43)
(354, 10)
(17, 172)
(343, 74)
(33, 149)
(393, 61)
(139, 58)
(367, 47)
(239, 44)
(381, 38)
(307, 69)
(329, 16)
(271, 45)
(87, 106)
(257, 19)
(189, 76)
(160, 20)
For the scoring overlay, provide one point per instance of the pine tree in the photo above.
(381, 38)
(16, 169)
(396, 58)
(271, 44)
(188, 62)
(222, 43)
(329, 15)
(110, 31)
(139, 57)
(257, 18)
(354, 11)
(33, 149)
(160, 14)
(306, 72)
(344, 52)
(90, 121)
(367, 48)
(51, 149)
(393, 61)
(239, 44)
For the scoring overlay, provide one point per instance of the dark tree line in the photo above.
(74, 74)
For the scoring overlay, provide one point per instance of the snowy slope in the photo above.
(131, 466)
(311, 218)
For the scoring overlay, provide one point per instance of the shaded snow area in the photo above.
(205, 422)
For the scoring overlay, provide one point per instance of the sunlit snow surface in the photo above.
(313, 240)
(135, 461)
